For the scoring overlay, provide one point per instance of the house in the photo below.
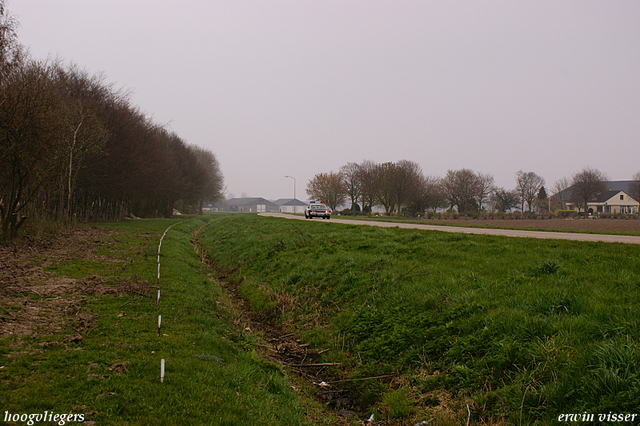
(252, 205)
(208, 206)
(291, 205)
(610, 201)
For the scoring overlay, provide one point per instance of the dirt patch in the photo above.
(23, 261)
(34, 303)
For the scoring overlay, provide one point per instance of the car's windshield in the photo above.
(319, 207)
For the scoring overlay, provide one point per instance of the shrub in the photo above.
(621, 216)
(545, 215)
(566, 213)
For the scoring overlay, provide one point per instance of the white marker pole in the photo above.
(158, 301)
(159, 322)
(162, 370)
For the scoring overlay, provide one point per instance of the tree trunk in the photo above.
(71, 148)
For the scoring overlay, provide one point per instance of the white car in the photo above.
(317, 209)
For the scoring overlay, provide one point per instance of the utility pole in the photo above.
(294, 186)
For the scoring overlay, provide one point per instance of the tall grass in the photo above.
(522, 329)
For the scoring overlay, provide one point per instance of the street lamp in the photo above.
(294, 186)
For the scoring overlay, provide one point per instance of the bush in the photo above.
(450, 214)
(622, 216)
(566, 213)
(545, 215)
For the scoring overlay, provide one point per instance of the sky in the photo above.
(299, 87)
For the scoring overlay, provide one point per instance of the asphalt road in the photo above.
(627, 239)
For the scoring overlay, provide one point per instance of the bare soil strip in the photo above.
(626, 239)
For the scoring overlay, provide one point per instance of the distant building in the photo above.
(291, 205)
(614, 199)
(252, 205)
(208, 206)
(609, 201)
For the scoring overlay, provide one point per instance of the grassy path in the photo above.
(626, 239)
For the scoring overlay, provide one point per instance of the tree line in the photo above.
(402, 187)
(75, 148)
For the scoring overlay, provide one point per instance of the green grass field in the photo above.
(213, 375)
(522, 330)
(417, 325)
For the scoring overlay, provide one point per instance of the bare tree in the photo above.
(406, 180)
(211, 185)
(83, 131)
(561, 191)
(429, 195)
(351, 174)
(72, 146)
(368, 181)
(12, 54)
(385, 191)
(504, 200)
(327, 187)
(528, 185)
(28, 137)
(486, 185)
(462, 188)
(587, 184)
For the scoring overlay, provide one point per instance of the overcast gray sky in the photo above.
(300, 87)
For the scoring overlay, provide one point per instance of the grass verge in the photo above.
(470, 223)
(518, 330)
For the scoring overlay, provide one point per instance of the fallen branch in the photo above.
(418, 273)
(321, 364)
(132, 300)
(365, 378)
